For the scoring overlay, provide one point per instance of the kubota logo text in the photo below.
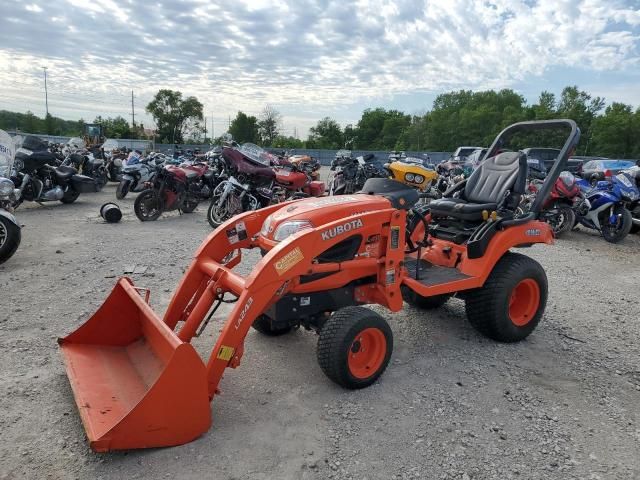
(243, 313)
(340, 229)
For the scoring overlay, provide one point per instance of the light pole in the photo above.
(46, 95)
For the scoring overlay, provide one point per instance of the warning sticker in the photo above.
(287, 262)
(225, 353)
(237, 233)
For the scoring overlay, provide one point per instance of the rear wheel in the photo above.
(123, 189)
(635, 215)
(510, 304)
(615, 232)
(148, 206)
(190, 205)
(354, 347)
(70, 196)
(10, 237)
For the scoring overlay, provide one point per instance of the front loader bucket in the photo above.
(135, 382)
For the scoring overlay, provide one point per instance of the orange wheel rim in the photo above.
(367, 352)
(524, 302)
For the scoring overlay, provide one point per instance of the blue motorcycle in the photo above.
(604, 207)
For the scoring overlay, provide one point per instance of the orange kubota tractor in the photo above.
(138, 382)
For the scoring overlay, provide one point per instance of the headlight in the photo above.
(287, 229)
(266, 226)
(418, 179)
(6, 187)
(409, 177)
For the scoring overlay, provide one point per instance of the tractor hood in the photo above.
(313, 212)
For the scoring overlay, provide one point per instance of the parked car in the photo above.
(597, 170)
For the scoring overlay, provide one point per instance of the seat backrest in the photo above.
(495, 176)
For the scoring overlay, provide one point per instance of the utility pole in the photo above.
(46, 94)
(133, 113)
(212, 127)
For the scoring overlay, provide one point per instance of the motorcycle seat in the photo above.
(400, 195)
(64, 173)
(486, 188)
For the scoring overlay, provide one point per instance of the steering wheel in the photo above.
(416, 218)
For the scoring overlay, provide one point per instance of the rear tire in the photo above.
(189, 206)
(70, 196)
(263, 325)
(123, 189)
(354, 347)
(509, 306)
(10, 236)
(148, 206)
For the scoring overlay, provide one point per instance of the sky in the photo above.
(309, 58)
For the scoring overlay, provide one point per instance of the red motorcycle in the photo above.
(298, 180)
(174, 187)
(558, 209)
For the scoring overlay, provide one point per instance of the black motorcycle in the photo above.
(350, 173)
(38, 180)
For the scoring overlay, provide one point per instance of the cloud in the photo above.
(304, 55)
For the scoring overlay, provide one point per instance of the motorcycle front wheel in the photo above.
(614, 233)
(220, 212)
(123, 189)
(70, 196)
(148, 206)
(10, 237)
(563, 221)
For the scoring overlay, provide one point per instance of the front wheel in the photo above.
(123, 189)
(148, 206)
(354, 347)
(618, 226)
(563, 220)
(70, 196)
(10, 237)
(510, 304)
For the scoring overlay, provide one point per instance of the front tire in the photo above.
(509, 306)
(10, 236)
(148, 206)
(617, 233)
(354, 347)
(123, 189)
(263, 325)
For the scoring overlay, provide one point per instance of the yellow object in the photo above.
(494, 215)
(485, 215)
(412, 174)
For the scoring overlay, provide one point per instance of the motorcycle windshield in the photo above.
(76, 143)
(7, 154)
(255, 153)
(567, 178)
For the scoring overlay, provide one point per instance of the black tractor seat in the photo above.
(486, 189)
(400, 195)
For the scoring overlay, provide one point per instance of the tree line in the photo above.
(456, 118)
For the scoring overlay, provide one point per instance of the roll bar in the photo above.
(560, 162)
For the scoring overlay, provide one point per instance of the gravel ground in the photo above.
(452, 405)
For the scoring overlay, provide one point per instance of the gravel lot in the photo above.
(452, 405)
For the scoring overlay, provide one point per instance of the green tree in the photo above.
(244, 128)
(117, 127)
(287, 142)
(616, 134)
(173, 115)
(581, 107)
(325, 134)
(270, 124)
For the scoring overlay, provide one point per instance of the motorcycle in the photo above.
(634, 207)
(136, 172)
(39, 181)
(604, 208)
(297, 179)
(351, 173)
(559, 207)
(251, 184)
(10, 234)
(113, 158)
(84, 161)
(173, 188)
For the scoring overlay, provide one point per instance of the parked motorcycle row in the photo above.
(238, 178)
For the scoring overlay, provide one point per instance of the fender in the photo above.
(9, 216)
